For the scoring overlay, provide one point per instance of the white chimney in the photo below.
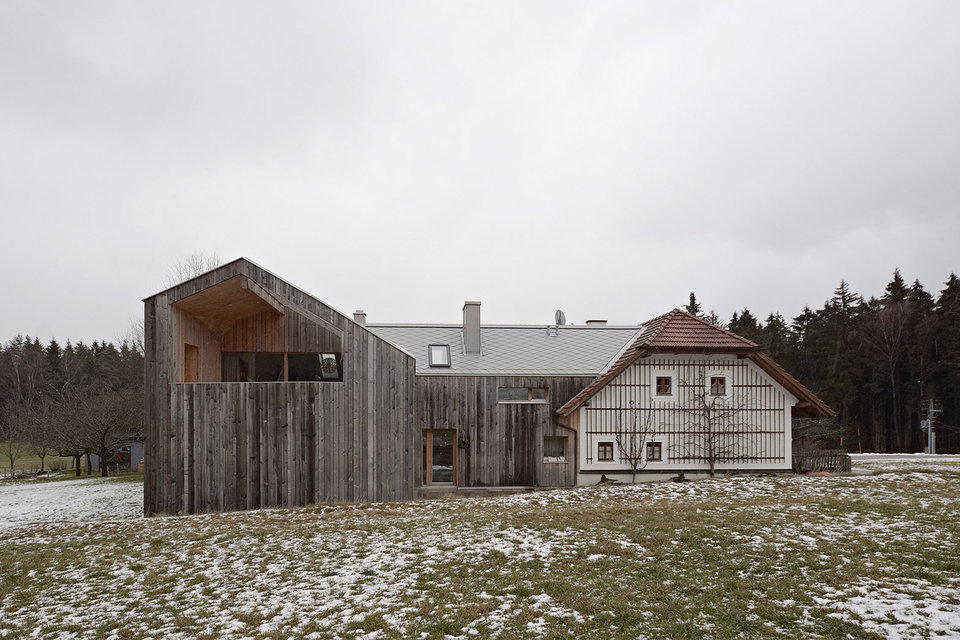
(471, 327)
(360, 317)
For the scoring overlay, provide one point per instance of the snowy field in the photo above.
(25, 501)
(860, 556)
(905, 462)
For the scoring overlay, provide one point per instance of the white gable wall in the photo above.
(754, 435)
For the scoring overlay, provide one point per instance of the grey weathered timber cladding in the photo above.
(215, 445)
(502, 443)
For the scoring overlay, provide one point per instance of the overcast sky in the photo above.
(601, 158)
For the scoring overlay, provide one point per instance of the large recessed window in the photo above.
(530, 395)
(439, 355)
(281, 367)
(252, 367)
(313, 367)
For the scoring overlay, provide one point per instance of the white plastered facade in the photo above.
(754, 434)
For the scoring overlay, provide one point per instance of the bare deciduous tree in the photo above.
(133, 338)
(12, 430)
(190, 267)
(69, 440)
(715, 428)
(22, 382)
(633, 430)
(39, 436)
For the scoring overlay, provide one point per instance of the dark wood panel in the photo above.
(218, 446)
(504, 441)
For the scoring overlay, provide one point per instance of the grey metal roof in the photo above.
(514, 350)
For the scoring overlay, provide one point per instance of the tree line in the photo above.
(878, 362)
(69, 401)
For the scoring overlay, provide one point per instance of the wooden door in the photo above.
(191, 363)
(440, 456)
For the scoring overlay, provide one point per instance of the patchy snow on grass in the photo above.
(772, 556)
(873, 462)
(897, 608)
(23, 502)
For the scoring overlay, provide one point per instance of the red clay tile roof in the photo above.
(681, 332)
(809, 405)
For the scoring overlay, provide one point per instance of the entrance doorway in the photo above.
(191, 363)
(440, 456)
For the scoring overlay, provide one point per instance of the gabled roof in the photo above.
(513, 350)
(809, 405)
(681, 332)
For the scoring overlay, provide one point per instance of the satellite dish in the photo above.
(560, 318)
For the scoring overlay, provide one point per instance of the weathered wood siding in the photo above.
(505, 440)
(213, 446)
(756, 436)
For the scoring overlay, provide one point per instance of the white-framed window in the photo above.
(717, 383)
(654, 451)
(522, 395)
(605, 452)
(439, 355)
(663, 385)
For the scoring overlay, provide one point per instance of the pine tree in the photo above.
(896, 290)
(54, 354)
(694, 307)
(745, 325)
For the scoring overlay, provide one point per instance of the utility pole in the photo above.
(927, 426)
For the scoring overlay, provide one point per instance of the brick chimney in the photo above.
(471, 327)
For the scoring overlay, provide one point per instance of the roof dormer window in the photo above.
(439, 355)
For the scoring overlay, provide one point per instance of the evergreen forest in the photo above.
(880, 362)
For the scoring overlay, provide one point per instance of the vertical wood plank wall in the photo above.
(216, 446)
(505, 440)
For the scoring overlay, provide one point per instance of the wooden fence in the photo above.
(832, 461)
(28, 471)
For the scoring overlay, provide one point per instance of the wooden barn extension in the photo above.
(260, 395)
(213, 445)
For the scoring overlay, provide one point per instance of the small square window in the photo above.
(664, 386)
(654, 451)
(439, 355)
(605, 451)
(718, 386)
(555, 448)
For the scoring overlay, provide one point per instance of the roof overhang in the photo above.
(222, 304)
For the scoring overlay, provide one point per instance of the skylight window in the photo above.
(439, 355)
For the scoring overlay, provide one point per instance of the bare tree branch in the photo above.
(633, 430)
(190, 267)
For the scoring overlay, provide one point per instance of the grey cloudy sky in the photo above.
(603, 158)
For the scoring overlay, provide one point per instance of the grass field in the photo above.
(869, 556)
(29, 463)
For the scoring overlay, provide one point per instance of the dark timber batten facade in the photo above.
(260, 395)
(501, 444)
(214, 445)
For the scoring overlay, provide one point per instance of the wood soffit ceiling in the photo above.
(224, 303)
